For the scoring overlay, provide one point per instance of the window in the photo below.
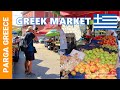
(46, 14)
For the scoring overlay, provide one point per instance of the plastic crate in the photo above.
(118, 72)
(78, 76)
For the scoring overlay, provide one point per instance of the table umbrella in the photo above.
(52, 33)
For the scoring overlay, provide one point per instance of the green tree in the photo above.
(19, 32)
(57, 13)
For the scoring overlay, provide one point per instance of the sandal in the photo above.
(26, 71)
(31, 74)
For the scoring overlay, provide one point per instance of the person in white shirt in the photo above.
(119, 44)
(113, 32)
(63, 41)
(118, 40)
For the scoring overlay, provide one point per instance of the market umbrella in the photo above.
(52, 33)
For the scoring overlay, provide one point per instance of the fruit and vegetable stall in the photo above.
(92, 62)
(15, 50)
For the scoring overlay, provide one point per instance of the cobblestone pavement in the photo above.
(46, 65)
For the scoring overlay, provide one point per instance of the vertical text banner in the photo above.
(5, 44)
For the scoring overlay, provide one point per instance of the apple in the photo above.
(98, 64)
(92, 69)
(107, 69)
(88, 61)
(113, 73)
(113, 77)
(87, 76)
(109, 77)
(81, 70)
(76, 69)
(87, 66)
(97, 60)
(93, 76)
(97, 77)
(73, 73)
(112, 70)
(81, 63)
(92, 63)
(102, 70)
(87, 71)
(103, 77)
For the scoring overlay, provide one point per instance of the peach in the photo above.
(111, 66)
(97, 77)
(87, 66)
(93, 69)
(92, 63)
(81, 70)
(112, 70)
(97, 60)
(93, 76)
(87, 76)
(76, 69)
(73, 73)
(87, 71)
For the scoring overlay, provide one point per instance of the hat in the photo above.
(29, 28)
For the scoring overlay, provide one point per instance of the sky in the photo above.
(15, 15)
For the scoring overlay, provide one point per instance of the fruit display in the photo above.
(95, 70)
(67, 63)
(109, 47)
(97, 64)
(109, 40)
(109, 43)
(99, 54)
(98, 38)
(100, 32)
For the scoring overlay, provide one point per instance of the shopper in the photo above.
(118, 63)
(88, 35)
(119, 44)
(29, 53)
(63, 40)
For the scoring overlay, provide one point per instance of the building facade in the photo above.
(37, 14)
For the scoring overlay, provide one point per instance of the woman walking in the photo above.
(29, 52)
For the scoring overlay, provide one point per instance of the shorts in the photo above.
(29, 55)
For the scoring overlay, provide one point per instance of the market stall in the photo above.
(53, 42)
(97, 59)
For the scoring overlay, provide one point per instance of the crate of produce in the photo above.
(77, 76)
(118, 72)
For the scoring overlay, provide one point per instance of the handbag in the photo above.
(35, 51)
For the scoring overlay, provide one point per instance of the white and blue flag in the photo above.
(105, 21)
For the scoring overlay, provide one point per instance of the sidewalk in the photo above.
(46, 65)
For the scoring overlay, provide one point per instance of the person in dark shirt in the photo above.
(29, 53)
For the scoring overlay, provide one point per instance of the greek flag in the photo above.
(105, 22)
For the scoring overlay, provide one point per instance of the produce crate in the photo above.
(118, 72)
(78, 76)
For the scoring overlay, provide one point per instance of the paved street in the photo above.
(46, 65)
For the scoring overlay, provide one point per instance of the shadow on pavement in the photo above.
(40, 72)
(19, 70)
